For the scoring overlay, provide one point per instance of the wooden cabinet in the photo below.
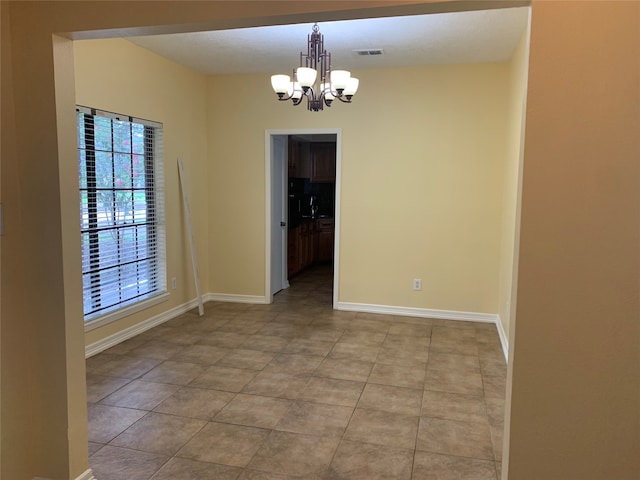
(304, 243)
(315, 161)
(294, 158)
(309, 243)
(302, 247)
(323, 162)
(292, 251)
(325, 234)
(298, 159)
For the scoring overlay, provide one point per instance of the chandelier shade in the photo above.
(280, 83)
(339, 79)
(314, 79)
(306, 76)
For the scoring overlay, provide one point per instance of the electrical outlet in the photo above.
(417, 284)
(174, 283)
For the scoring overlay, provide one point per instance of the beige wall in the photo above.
(575, 400)
(422, 174)
(17, 384)
(118, 76)
(512, 172)
(38, 334)
(576, 367)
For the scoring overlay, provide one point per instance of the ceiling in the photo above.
(443, 38)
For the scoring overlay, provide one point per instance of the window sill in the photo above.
(107, 318)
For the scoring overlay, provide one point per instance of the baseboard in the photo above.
(88, 475)
(137, 329)
(230, 297)
(503, 339)
(432, 313)
(419, 312)
(159, 319)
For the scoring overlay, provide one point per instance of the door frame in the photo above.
(269, 198)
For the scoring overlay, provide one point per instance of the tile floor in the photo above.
(298, 390)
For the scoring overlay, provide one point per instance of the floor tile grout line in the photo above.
(346, 428)
(415, 449)
(468, 457)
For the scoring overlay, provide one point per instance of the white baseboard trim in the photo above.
(137, 329)
(432, 313)
(88, 475)
(503, 339)
(161, 318)
(145, 325)
(419, 312)
(231, 297)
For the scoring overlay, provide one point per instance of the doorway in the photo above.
(309, 216)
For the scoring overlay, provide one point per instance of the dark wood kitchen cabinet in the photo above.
(323, 162)
(292, 251)
(309, 243)
(294, 158)
(325, 234)
(302, 247)
(299, 159)
(307, 252)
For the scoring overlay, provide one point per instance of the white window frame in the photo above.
(93, 268)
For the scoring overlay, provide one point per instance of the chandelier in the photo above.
(314, 78)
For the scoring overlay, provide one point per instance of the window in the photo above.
(121, 212)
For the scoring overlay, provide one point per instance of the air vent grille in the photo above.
(369, 52)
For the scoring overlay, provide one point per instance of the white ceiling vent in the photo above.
(369, 52)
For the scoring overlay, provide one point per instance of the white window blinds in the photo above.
(121, 210)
